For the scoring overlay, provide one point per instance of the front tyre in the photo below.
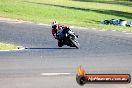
(75, 43)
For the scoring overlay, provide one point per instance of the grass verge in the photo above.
(85, 13)
(5, 46)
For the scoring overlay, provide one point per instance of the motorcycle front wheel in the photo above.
(75, 43)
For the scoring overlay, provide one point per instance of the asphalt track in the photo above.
(100, 52)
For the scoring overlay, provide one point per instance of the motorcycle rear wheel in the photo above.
(60, 43)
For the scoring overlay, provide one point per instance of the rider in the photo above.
(58, 31)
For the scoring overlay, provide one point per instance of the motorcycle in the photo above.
(68, 38)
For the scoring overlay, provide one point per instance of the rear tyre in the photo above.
(60, 43)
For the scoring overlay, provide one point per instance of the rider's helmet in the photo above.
(54, 25)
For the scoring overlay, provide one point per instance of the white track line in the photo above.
(12, 50)
(19, 48)
(128, 33)
(113, 30)
(124, 31)
(54, 74)
(101, 30)
(43, 24)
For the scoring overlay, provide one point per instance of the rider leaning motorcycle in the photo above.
(58, 31)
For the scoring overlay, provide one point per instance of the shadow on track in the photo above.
(47, 48)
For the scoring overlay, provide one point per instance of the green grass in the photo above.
(85, 13)
(5, 46)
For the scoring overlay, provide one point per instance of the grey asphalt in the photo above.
(100, 52)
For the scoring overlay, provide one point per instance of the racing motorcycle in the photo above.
(68, 38)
